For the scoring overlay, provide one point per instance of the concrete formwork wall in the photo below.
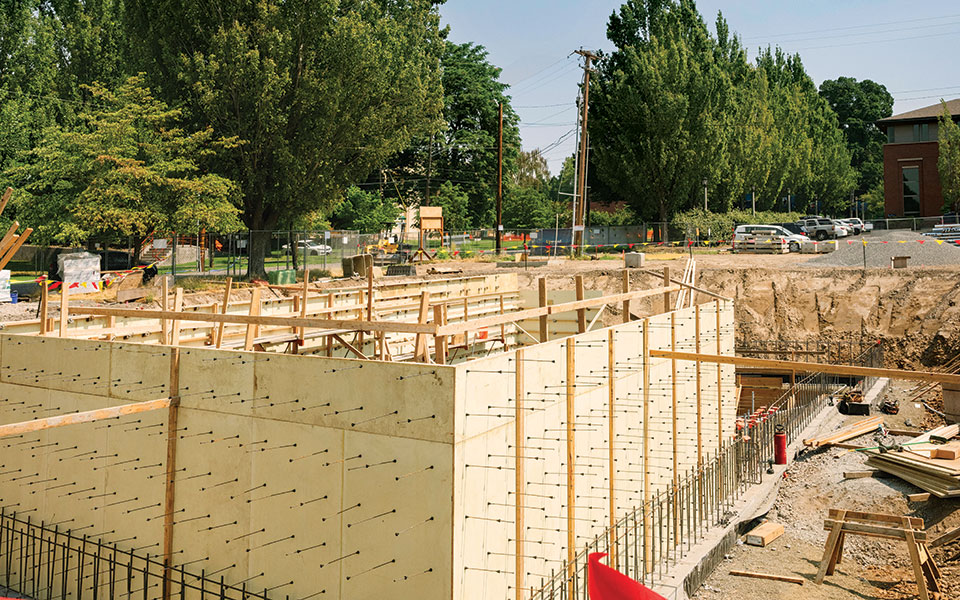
(318, 477)
(485, 514)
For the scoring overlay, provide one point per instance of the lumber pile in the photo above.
(846, 433)
(930, 461)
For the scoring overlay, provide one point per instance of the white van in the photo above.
(752, 232)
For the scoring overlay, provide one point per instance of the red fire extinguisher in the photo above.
(779, 445)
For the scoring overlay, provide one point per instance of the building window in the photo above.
(891, 136)
(925, 133)
(911, 190)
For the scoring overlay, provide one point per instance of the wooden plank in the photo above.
(9, 237)
(764, 534)
(44, 306)
(228, 287)
(7, 194)
(756, 575)
(519, 442)
(849, 432)
(914, 550)
(348, 346)
(195, 317)
(82, 417)
(581, 312)
(9, 254)
(542, 289)
(828, 549)
(873, 530)
(439, 354)
(571, 455)
(863, 474)
(254, 311)
(304, 300)
(786, 365)
(922, 497)
(689, 286)
(64, 308)
(946, 538)
(856, 515)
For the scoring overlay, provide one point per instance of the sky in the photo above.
(910, 47)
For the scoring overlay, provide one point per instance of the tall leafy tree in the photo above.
(531, 169)
(321, 91)
(655, 104)
(949, 162)
(466, 151)
(859, 105)
(364, 211)
(126, 169)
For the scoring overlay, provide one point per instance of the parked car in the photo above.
(819, 228)
(311, 247)
(744, 232)
(843, 230)
(855, 225)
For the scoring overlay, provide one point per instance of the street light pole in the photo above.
(705, 209)
(753, 201)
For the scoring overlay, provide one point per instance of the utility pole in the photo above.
(705, 209)
(753, 201)
(580, 208)
(500, 179)
(426, 198)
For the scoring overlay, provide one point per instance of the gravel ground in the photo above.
(882, 245)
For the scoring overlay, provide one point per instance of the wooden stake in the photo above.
(44, 307)
(719, 384)
(64, 307)
(330, 303)
(676, 431)
(542, 286)
(10, 236)
(169, 497)
(571, 457)
(420, 341)
(581, 312)
(647, 518)
(519, 441)
(439, 354)
(503, 327)
(303, 300)
(223, 310)
(666, 293)
(164, 306)
(696, 319)
(611, 439)
(254, 311)
(625, 288)
(177, 307)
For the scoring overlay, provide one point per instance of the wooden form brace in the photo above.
(805, 367)
(82, 417)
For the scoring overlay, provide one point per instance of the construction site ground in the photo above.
(914, 313)
(815, 483)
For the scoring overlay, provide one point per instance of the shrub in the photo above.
(719, 226)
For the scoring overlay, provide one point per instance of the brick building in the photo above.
(910, 178)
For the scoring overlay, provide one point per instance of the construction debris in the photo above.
(764, 534)
(847, 433)
(755, 575)
(931, 461)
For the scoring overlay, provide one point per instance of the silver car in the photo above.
(745, 232)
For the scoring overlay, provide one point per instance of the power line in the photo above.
(903, 39)
(878, 32)
(850, 27)
(531, 76)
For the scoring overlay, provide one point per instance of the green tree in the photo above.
(126, 169)
(456, 207)
(949, 162)
(531, 170)
(364, 211)
(526, 207)
(466, 150)
(859, 105)
(654, 108)
(322, 92)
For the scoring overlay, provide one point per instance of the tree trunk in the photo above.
(256, 252)
(664, 230)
